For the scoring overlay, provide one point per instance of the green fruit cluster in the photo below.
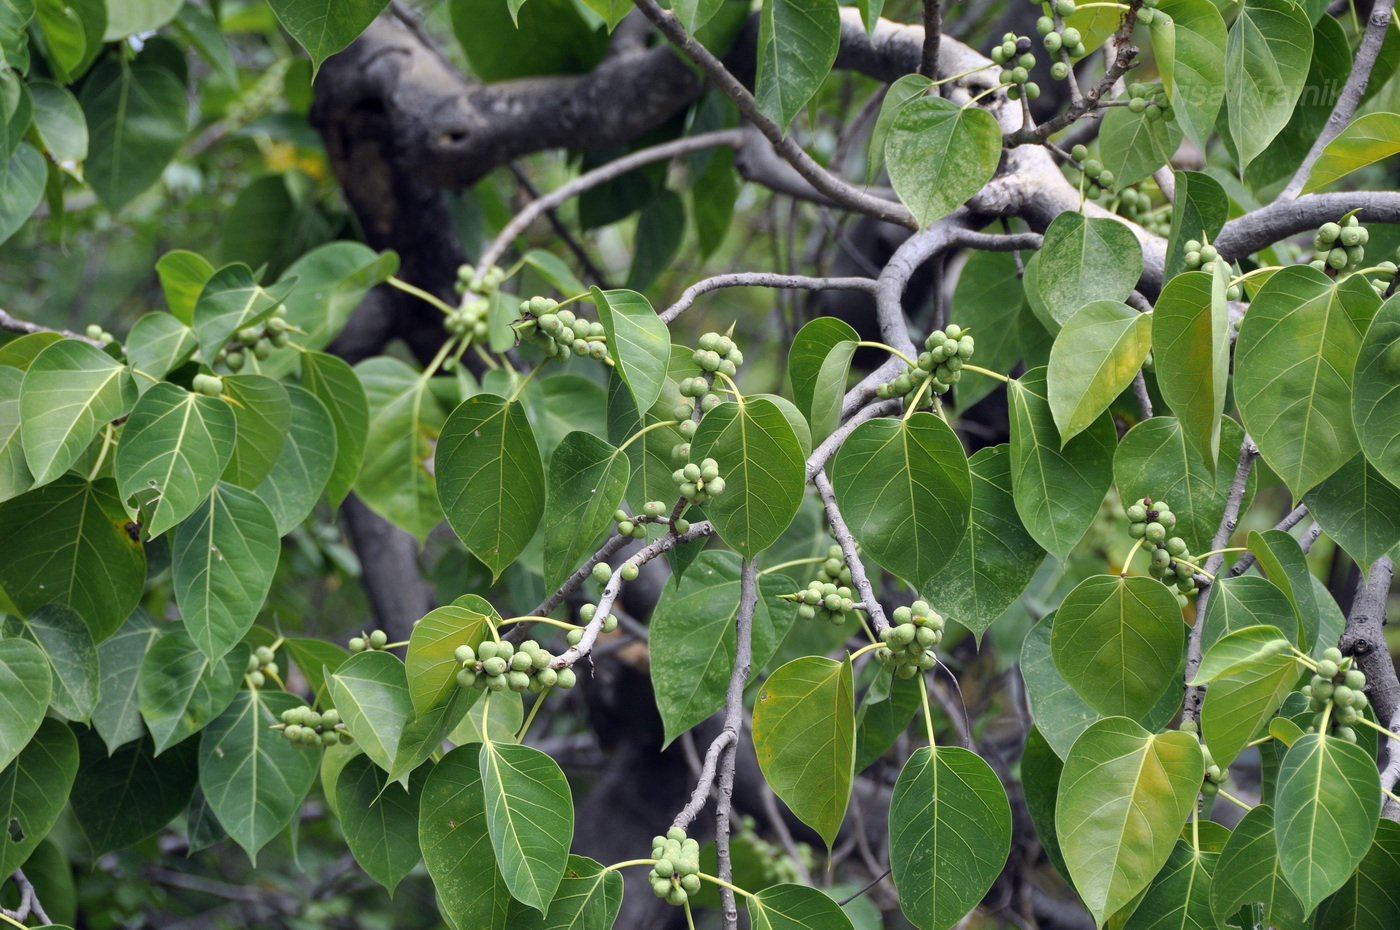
(259, 340)
(208, 385)
(699, 483)
(98, 334)
(676, 874)
(716, 352)
(586, 614)
(828, 597)
(1015, 56)
(631, 526)
(908, 643)
(777, 864)
(307, 729)
(498, 666)
(1338, 683)
(684, 411)
(939, 365)
(1214, 777)
(1097, 178)
(377, 639)
(1058, 37)
(1152, 522)
(495, 276)
(1133, 204)
(1342, 246)
(470, 320)
(1151, 101)
(261, 663)
(1202, 256)
(560, 333)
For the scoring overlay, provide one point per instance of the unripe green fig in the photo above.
(378, 639)
(567, 678)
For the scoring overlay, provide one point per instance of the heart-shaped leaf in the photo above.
(939, 154)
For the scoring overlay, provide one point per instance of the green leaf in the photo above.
(1266, 65)
(1194, 67)
(1198, 213)
(253, 778)
(1238, 603)
(1095, 356)
(1040, 783)
(1326, 806)
(1248, 682)
(1248, 870)
(335, 385)
(660, 228)
(1368, 139)
(67, 543)
(331, 281)
(692, 13)
(529, 817)
(183, 275)
(456, 845)
(70, 392)
(136, 116)
(908, 87)
(72, 657)
(549, 37)
(1123, 796)
(795, 907)
(312, 657)
(132, 16)
(1118, 642)
(380, 819)
(692, 629)
(25, 687)
(180, 690)
(1283, 562)
(22, 183)
(950, 834)
(1179, 897)
(804, 732)
(906, 492)
(797, 43)
(1359, 509)
(157, 344)
(300, 473)
(554, 269)
(587, 477)
(638, 342)
(1134, 145)
(1370, 899)
(490, 478)
(15, 477)
(371, 692)
(324, 27)
(123, 798)
(172, 450)
(988, 299)
(264, 415)
(1293, 370)
(34, 787)
(231, 300)
(430, 666)
(761, 461)
(1156, 459)
(202, 30)
(496, 719)
(72, 32)
(888, 707)
(1085, 259)
(589, 898)
(1377, 372)
(396, 480)
(939, 154)
(1060, 714)
(1191, 345)
(1057, 489)
(117, 716)
(222, 561)
(819, 364)
(997, 557)
(21, 352)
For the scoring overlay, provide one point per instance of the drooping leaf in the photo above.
(67, 644)
(324, 27)
(331, 280)
(34, 789)
(222, 561)
(1282, 560)
(136, 116)
(1123, 796)
(430, 667)
(1084, 259)
(117, 716)
(264, 415)
(797, 43)
(25, 686)
(183, 275)
(1367, 139)
(123, 798)
(1359, 509)
(950, 834)
(1095, 356)
(1266, 65)
(1057, 490)
(1293, 370)
(804, 734)
(490, 478)
(1191, 345)
(903, 90)
(1192, 64)
(180, 690)
(22, 179)
(335, 385)
(939, 154)
(1250, 673)
(158, 343)
(988, 300)
(587, 478)
(1377, 370)
(905, 489)
(456, 845)
(70, 392)
(396, 479)
(68, 543)
(173, 448)
(371, 692)
(760, 458)
(638, 342)
(232, 300)
(253, 778)
(818, 365)
(795, 907)
(1237, 603)
(1199, 213)
(133, 16)
(1135, 145)
(529, 817)
(380, 819)
(301, 471)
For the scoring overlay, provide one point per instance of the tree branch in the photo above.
(847, 542)
(13, 324)
(762, 279)
(1342, 111)
(1283, 218)
(28, 900)
(1364, 639)
(933, 30)
(733, 721)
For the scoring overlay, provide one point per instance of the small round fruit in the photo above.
(378, 639)
(567, 678)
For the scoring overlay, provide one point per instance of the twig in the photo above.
(28, 900)
(762, 279)
(733, 138)
(830, 444)
(1310, 536)
(1228, 521)
(609, 548)
(1364, 639)
(733, 720)
(1287, 523)
(1350, 97)
(706, 779)
(843, 536)
(1283, 218)
(590, 270)
(769, 800)
(933, 32)
(838, 190)
(12, 324)
(1143, 398)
